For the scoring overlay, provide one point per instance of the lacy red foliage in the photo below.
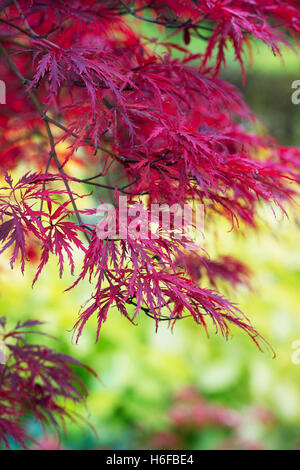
(88, 92)
(35, 381)
(225, 268)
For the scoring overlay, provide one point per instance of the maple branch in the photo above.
(29, 31)
(24, 18)
(93, 177)
(88, 141)
(167, 24)
(125, 11)
(40, 110)
(62, 172)
(118, 157)
(161, 317)
(104, 149)
(44, 184)
(130, 184)
(18, 28)
(156, 21)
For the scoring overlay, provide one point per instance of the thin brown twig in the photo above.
(28, 32)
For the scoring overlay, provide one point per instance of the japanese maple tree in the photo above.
(35, 381)
(96, 107)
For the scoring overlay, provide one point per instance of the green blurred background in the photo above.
(153, 384)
